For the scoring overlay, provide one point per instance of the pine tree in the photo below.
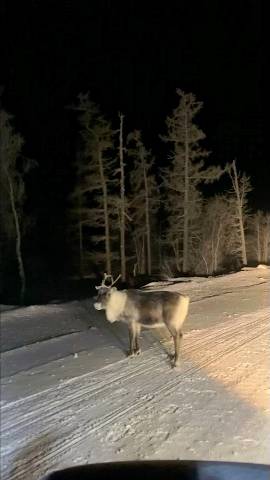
(182, 179)
(144, 200)
(95, 178)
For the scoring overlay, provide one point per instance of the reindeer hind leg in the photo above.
(177, 343)
(137, 347)
(177, 337)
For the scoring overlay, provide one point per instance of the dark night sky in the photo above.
(131, 56)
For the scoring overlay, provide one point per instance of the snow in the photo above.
(265, 267)
(70, 396)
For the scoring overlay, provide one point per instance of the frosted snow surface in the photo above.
(70, 396)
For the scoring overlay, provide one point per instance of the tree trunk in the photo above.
(212, 249)
(160, 252)
(217, 247)
(206, 265)
(106, 214)
(81, 259)
(266, 240)
(240, 215)
(140, 254)
(137, 265)
(147, 222)
(81, 250)
(122, 202)
(186, 200)
(177, 254)
(259, 253)
(242, 232)
(143, 255)
(18, 240)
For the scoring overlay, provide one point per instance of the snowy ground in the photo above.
(70, 396)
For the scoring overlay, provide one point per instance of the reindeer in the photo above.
(143, 309)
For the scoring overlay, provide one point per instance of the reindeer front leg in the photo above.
(132, 339)
(134, 331)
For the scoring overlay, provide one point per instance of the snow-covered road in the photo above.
(215, 407)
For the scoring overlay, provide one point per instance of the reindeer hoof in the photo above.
(134, 353)
(176, 364)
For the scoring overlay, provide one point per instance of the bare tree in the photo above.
(241, 186)
(182, 180)
(255, 237)
(215, 236)
(266, 238)
(95, 176)
(144, 200)
(12, 182)
(258, 237)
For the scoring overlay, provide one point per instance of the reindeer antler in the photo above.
(106, 277)
(114, 281)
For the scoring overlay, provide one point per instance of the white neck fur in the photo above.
(115, 305)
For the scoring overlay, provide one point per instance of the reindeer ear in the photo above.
(97, 288)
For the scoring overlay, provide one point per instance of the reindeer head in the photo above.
(104, 291)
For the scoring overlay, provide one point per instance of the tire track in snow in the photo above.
(86, 428)
(44, 411)
(105, 385)
(227, 292)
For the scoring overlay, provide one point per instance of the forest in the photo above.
(131, 213)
